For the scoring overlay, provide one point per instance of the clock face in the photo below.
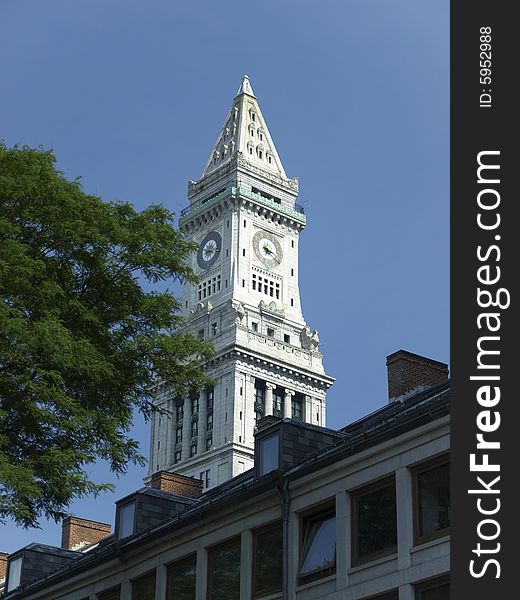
(209, 250)
(267, 249)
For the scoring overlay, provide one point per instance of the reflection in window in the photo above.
(268, 451)
(435, 589)
(267, 558)
(126, 520)
(432, 495)
(375, 521)
(144, 587)
(113, 594)
(182, 577)
(319, 547)
(224, 572)
(15, 573)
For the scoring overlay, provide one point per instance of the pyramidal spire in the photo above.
(245, 87)
(245, 131)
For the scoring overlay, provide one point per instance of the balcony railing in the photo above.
(196, 208)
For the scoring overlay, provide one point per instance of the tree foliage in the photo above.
(82, 339)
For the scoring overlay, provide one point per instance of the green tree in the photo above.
(82, 341)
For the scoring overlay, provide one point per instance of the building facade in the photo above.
(243, 216)
(361, 513)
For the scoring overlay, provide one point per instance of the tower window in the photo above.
(193, 449)
(269, 159)
(209, 443)
(286, 338)
(245, 223)
(270, 332)
(178, 456)
(243, 283)
(254, 326)
(209, 287)
(200, 334)
(243, 251)
(292, 301)
(292, 271)
(250, 150)
(178, 435)
(292, 243)
(214, 328)
(266, 286)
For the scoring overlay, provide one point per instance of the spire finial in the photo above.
(245, 87)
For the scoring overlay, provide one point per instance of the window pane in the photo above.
(144, 588)
(439, 593)
(268, 454)
(113, 594)
(433, 492)
(224, 570)
(182, 578)
(268, 561)
(15, 572)
(376, 521)
(126, 520)
(320, 544)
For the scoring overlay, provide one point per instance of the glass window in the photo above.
(182, 579)
(178, 435)
(180, 411)
(15, 573)
(126, 520)
(297, 407)
(374, 519)
(193, 449)
(144, 587)
(195, 405)
(434, 589)
(209, 422)
(267, 560)
(278, 395)
(319, 546)
(210, 394)
(432, 500)
(224, 572)
(209, 443)
(194, 428)
(268, 451)
(113, 594)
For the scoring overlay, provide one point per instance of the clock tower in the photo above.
(243, 215)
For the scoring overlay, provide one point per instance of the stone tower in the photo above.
(243, 215)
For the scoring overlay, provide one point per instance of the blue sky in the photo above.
(131, 95)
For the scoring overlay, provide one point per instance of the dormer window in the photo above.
(15, 573)
(268, 454)
(126, 521)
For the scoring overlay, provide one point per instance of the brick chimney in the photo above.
(176, 484)
(3, 565)
(409, 373)
(77, 533)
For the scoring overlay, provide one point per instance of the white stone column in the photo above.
(343, 557)
(246, 559)
(126, 588)
(307, 409)
(403, 482)
(201, 590)
(186, 429)
(406, 592)
(203, 418)
(160, 582)
(293, 562)
(249, 410)
(287, 404)
(269, 387)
